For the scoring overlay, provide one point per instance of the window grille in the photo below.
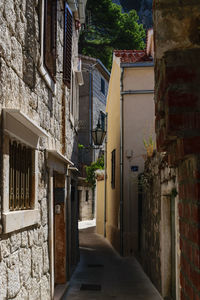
(50, 36)
(113, 163)
(20, 176)
(67, 55)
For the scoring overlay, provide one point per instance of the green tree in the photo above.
(110, 29)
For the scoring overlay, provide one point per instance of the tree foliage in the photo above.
(109, 29)
(90, 171)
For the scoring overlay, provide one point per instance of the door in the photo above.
(173, 249)
(59, 229)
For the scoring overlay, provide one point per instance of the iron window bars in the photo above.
(20, 177)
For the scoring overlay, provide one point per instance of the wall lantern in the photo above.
(98, 135)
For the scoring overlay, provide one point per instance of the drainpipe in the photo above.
(105, 172)
(121, 162)
(90, 104)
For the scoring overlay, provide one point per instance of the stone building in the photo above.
(158, 225)
(39, 117)
(177, 102)
(92, 105)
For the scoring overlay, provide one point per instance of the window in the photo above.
(102, 116)
(103, 86)
(86, 196)
(21, 137)
(74, 101)
(50, 36)
(67, 55)
(113, 161)
(20, 176)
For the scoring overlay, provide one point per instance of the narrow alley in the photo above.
(103, 274)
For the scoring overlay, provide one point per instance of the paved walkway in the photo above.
(102, 268)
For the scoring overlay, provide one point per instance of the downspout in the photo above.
(105, 173)
(90, 106)
(121, 161)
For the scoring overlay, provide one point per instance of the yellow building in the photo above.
(130, 109)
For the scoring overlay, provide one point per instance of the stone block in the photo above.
(38, 236)
(15, 241)
(45, 288)
(5, 41)
(10, 15)
(4, 249)
(24, 239)
(23, 295)
(33, 102)
(45, 233)
(16, 56)
(3, 281)
(25, 264)
(20, 30)
(44, 214)
(45, 258)
(37, 262)
(31, 238)
(34, 290)
(13, 276)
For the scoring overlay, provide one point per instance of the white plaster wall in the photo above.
(138, 124)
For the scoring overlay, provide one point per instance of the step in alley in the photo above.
(103, 274)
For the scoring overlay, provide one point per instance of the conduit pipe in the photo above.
(121, 162)
(105, 174)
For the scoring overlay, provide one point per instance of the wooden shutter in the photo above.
(50, 36)
(67, 55)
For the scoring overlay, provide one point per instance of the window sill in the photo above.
(15, 220)
(50, 83)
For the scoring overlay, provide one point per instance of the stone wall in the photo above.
(150, 219)
(177, 103)
(92, 101)
(86, 205)
(157, 185)
(24, 255)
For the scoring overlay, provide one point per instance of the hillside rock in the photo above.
(143, 8)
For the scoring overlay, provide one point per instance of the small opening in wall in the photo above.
(86, 196)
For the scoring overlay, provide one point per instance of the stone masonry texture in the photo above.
(24, 255)
(156, 185)
(177, 45)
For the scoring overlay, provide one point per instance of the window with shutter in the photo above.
(50, 36)
(20, 177)
(67, 55)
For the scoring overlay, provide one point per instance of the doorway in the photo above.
(59, 214)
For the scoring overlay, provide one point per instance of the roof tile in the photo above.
(132, 56)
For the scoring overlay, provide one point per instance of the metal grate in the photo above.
(90, 287)
(20, 176)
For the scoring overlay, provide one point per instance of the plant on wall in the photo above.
(90, 171)
(149, 145)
